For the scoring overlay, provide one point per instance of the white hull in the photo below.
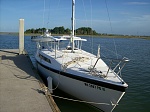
(85, 90)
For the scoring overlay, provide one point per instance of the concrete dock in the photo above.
(20, 90)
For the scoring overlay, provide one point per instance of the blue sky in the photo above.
(131, 17)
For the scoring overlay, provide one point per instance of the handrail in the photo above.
(122, 59)
(123, 62)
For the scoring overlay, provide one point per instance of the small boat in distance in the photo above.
(78, 72)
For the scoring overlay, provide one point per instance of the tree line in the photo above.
(62, 30)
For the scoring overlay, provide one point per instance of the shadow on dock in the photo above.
(20, 78)
(12, 52)
(21, 66)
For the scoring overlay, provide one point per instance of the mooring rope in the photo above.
(46, 89)
(81, 101)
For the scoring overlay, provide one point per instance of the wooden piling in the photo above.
(21, 36)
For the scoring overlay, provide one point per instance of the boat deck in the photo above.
(83, 61)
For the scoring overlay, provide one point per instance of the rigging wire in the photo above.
(48, 16)
(43, 16)
(107, 49)
(91, 19)
(90, 37)
(111, 27)
(91, 24)
(58, 4)
(84, 11)
(92, 31)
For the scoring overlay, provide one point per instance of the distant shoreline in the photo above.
(102, 36)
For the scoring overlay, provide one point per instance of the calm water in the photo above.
(136, 73)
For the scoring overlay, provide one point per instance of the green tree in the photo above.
(32, 30)
(67, 31)
(56, 30)
(85, 31)
(62, 30)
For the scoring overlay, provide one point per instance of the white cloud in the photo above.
(142, 18)
(137, 3)
(131, 25)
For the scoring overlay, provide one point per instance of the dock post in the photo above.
(21, 36)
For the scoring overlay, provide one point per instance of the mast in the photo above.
(73, 21)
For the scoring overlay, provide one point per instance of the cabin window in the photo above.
(44, 58)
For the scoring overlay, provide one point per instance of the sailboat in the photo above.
(80, 73)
